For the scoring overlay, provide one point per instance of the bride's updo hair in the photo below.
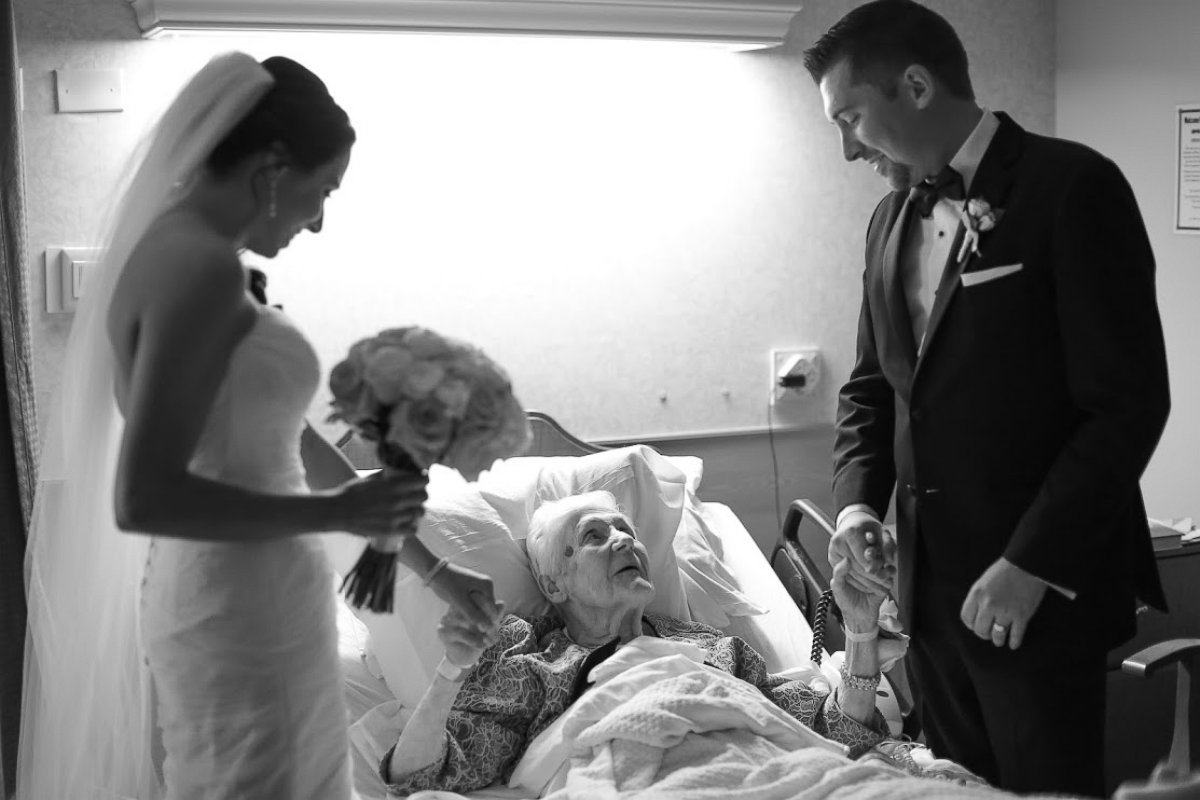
(297, 112)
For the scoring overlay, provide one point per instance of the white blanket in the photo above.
(667, 727)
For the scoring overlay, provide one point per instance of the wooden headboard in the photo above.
(549, 439)
(552, 439)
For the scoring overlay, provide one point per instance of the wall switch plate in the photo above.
(66, 273)
(89, 90)
(795, 372)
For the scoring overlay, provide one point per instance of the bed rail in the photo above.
(800, 561)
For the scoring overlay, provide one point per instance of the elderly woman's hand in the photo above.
(463, 640)
(858, 600)
(471, 593)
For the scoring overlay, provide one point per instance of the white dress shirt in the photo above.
(926, 249)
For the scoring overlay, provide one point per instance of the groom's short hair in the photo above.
(885, 37)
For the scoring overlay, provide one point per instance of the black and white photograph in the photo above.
(599, 399)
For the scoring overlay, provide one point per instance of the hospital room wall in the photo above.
(652, 221)
(1122, 68)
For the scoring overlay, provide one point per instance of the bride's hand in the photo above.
(382, 504)
(471, 593)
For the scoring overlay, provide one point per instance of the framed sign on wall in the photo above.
(1187, 169)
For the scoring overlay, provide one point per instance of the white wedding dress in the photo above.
(241, 637)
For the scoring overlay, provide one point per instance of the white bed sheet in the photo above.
(782, 636)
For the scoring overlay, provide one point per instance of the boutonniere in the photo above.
(979, 217)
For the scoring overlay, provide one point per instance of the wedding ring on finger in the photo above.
(999, 633)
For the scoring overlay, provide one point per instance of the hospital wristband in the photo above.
(451, 672)
(851, 636)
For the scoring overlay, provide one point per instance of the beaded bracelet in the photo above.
(858, 682)
(434, 570)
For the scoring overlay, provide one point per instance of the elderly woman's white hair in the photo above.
(547, 558)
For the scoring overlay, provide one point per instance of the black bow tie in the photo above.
(947, 183)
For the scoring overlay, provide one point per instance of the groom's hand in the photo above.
(870, 550)
(1001, 603)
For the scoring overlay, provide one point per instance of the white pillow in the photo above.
(692, 468)
(658, 494)
(713, 592)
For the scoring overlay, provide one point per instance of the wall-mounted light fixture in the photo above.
(748, 23)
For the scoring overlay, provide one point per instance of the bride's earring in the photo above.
(272, 198)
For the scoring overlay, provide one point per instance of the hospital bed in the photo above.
(388, 661)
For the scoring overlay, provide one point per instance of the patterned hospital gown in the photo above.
(525, 681)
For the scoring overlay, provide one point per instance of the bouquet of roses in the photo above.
(424, 399)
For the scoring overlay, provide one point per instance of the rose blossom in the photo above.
(421, 378)
(454, 394)
(422, 428)
(345, 379)
(424, 343)
(385, 370)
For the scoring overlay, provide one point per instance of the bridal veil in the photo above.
(87, 728)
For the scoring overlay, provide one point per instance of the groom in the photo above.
(1010, 386)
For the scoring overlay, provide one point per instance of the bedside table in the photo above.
(1141, 712)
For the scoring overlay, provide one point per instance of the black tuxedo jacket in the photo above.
(1024, 425)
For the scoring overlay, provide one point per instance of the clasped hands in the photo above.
(998, 606)
(389, 504)
(863, 557)
(464, 638)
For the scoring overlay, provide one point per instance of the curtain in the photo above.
(18, 418)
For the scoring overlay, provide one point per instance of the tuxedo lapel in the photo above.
(893, 287)
(991, 183)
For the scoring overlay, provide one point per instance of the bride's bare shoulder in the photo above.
(180, 255)
(179, 242)
(177, 265)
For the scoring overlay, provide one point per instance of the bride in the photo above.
(196, 653)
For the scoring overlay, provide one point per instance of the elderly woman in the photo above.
(498, 689)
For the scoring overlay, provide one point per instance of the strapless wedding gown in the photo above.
(241, 637)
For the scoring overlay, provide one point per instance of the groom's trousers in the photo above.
(1027, 720)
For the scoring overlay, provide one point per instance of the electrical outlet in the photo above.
(795, 372)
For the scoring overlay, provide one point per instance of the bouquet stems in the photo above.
(371, 583)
